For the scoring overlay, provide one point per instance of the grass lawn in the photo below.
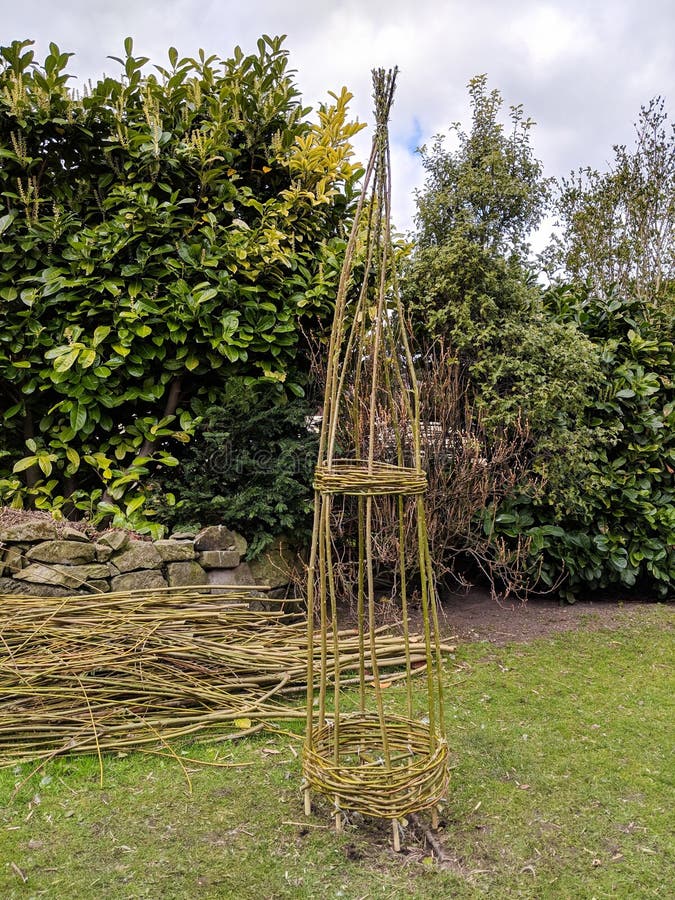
(561, 788)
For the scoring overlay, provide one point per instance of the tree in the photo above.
(158, 235)
(618, 227)
(468, 274)
(469, 283)
(490, 189)
(470, 288)
(615, 259)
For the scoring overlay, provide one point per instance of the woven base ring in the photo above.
(360, 781)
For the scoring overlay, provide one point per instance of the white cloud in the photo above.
(552, 36)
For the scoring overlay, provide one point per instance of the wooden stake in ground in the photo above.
(369, 761)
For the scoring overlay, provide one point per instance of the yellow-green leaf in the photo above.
(100, 334)
(87, 358)
(45, 464)
(24, 463)
(134, 504)
(74, 459)
(65, 361)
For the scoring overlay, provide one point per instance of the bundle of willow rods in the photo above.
(117, 671)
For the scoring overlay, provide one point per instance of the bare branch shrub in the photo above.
(469, 469)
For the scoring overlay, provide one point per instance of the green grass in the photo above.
(561, 754)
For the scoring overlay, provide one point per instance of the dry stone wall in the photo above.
(51, 559)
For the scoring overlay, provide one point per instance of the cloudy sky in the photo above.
(581, 68)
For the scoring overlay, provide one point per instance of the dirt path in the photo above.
(475, 616)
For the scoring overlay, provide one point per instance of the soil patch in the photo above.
(477, 616)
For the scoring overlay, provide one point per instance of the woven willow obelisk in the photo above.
(366, 760)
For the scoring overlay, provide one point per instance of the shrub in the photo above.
(249, 466)
(159, 235)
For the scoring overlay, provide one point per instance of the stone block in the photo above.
(118, 540)
(175, 551)
(30, 532)
(27, 589)
(147, 579)
(275, 566)
(241, 576)
(70, 533)
(137, 555)
(99, 587)
(11, 560)
(71, 552)
(219, 559)
(66, 576)
(240, 543)
(184, 574)
(216, 537)
(103, 552)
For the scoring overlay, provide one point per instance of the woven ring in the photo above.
(417, 778)
(355, 477)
